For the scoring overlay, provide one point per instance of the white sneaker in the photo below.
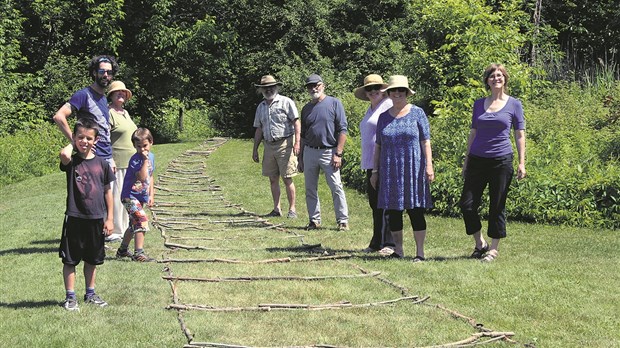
(114, 237)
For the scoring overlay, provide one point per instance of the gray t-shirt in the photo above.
(322, 122)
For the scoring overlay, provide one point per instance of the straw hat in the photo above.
(397, 81)
(372, 79)
(268, 81)
(119, 86)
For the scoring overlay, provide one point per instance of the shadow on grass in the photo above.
(29, 304)
(47, 241)
(24, 251)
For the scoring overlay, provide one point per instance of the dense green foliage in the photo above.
(193, 63)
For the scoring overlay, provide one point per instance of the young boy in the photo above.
(138, 190)
(89, 212)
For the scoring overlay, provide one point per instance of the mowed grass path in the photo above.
(552, 286)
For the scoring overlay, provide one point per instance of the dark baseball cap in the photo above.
(314, 78)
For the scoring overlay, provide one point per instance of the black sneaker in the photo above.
(120, 253)
(95, 300)
(71, 304)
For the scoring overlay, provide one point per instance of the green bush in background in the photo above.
(30, 153)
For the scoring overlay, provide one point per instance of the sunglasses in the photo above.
(313, 85)
(398, 89)
(104, 71)
(372, 88)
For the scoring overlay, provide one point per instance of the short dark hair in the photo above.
(141, 134)
(86, 123)
(93, 66)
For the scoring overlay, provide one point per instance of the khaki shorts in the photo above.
(278, 158)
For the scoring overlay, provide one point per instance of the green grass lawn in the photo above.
(552, 286)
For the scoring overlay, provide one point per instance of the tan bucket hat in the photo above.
(268, 81)
(119, 86)
(372, 79)
(397, 81)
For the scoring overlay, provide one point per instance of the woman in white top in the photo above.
(379, 102)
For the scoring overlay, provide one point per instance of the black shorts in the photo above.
(82, 239)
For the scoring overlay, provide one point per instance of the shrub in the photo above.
(30, 153)
(164, 122)
(196, 122)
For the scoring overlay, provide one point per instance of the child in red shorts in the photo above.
(137, 191)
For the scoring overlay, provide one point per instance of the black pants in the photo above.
(497, 173)
(379, 219)
(416, 216)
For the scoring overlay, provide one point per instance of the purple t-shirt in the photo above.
(92, 105)
(132, 187)
(493, 128)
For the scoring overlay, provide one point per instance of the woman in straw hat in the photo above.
(121, 129)
(403, 164)
(379, 103)
(489, 160)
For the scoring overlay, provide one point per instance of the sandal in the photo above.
(386, 251)
(479, 253)
(418, 259)
(489, 257)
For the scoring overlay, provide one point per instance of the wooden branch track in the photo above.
(278, 260)
(263, 278)
(209, 188)
(185, 179)
(266, 307)
(197, 247)
(235, 238)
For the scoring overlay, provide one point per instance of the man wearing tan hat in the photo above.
(324, 132)
(277, 124)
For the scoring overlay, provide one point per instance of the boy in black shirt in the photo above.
(89, 213)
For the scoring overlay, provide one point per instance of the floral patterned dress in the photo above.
(403, 182)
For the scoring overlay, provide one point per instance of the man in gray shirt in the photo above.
(323, 133)
(277, 124)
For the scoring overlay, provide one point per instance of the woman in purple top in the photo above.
(489, 160)
(404, 165)
(381, 240)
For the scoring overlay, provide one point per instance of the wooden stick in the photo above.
(259, 278)
(282, 306)
(285, 259)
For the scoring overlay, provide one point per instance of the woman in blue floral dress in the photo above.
(404, 160)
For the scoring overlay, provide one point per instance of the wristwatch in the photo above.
(338, 154)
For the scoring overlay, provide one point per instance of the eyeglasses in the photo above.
(398, 89)
(104, 71)
(372, 88)
(496, 76)
(313, 85)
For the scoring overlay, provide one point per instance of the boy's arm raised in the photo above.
(65, 154)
